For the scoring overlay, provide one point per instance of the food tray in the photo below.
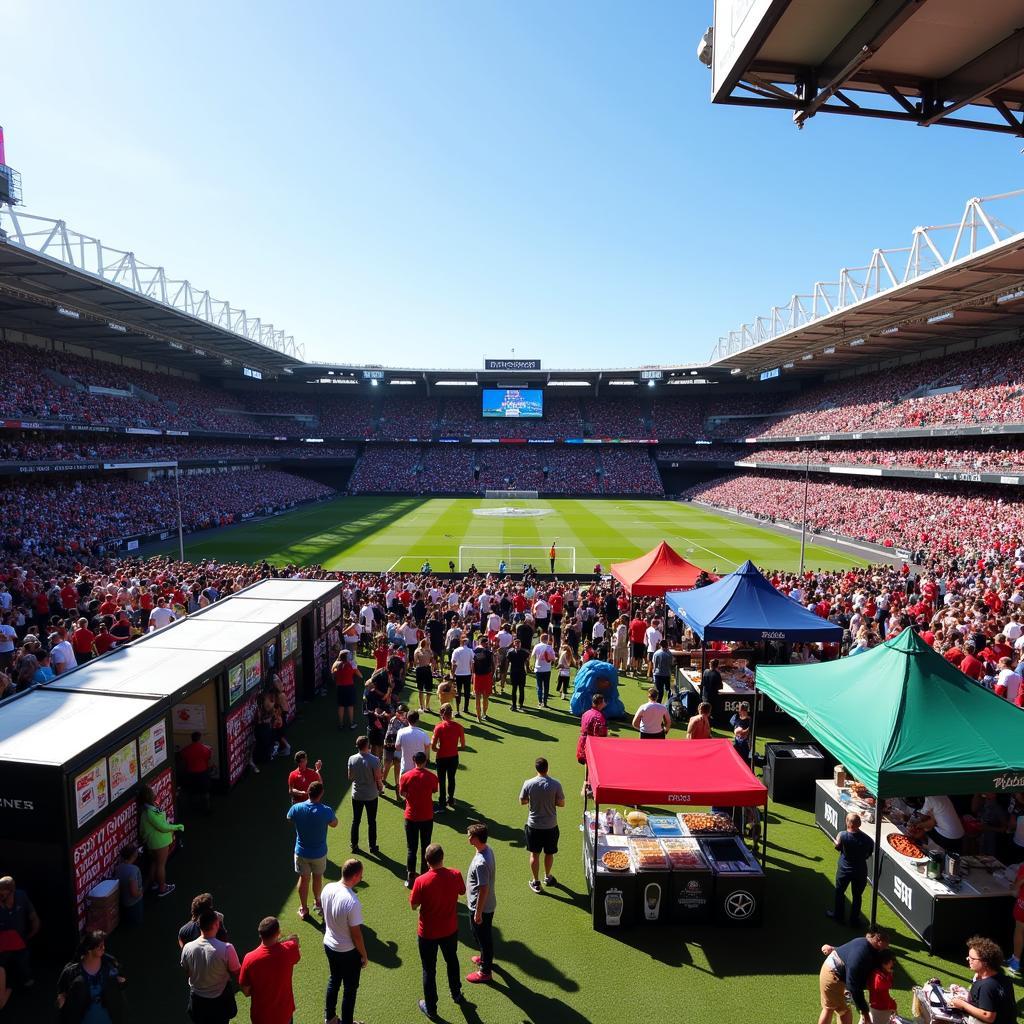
(684, 854)
(647, 855)
(703, 823)
(665, 825)
(910, 850)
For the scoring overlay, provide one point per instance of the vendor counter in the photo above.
(737, 688)
(944, 912)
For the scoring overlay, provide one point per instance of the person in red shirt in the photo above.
(83, 640)
(436, 895)
(69, 597)
(417, 787)
(880, 985)
(196, 760)
(345, 675)
(638, 646)
(104, 641)
(109, 606)
(266, 975)
(300, 779)
(449, 738)
(970, 665)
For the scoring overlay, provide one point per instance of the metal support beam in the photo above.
(979, 78)
(879, 22)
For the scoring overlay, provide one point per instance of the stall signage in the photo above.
(680, 798)
(902, 892)
(236, 683)
(287, 677)
(1008, 781)
(831, 816)
(188, 718)
(238, 726)
(253, 671)
(153, 747)
(91, 793)
(289, 640)
(124, 769)
(772, 634)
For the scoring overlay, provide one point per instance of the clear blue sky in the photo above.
(428, 183)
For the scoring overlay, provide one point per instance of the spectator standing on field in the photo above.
(210, 965)
(483, 676)
(417, 787)
(343, 942)
(482, 901)
(663, 664)
(543, 657)
(462, 673)
(652, 718)
(311, 819)
(518, 662)
(411, 739)
(543, 795)
(367, 778)
(449, 738)
(303, 777)
(346, 673)
(435, 894)
(266, 975)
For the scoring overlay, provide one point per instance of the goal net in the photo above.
(511, 494)
(488, 558)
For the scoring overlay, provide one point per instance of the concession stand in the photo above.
(71, 765)
(653, 575)
(317, 641)
(744, 606)
(677, 868)
(906, 723)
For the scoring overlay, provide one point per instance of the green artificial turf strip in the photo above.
(552, 967)
(378, 533)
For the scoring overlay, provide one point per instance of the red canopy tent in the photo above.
(678, 773)
(694, 772)
(659, 571)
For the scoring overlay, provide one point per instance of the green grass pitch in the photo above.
(380, 533)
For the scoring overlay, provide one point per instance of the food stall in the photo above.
(744, 606)
(930, 732)
(71, 765)
(683, 868)
(315, 643)
(943, 899)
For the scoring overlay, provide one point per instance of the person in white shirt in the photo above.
(343, 940)
(599, 631)
(942, 823)
(209, 966)
(652, 718)
(543, 657)
(504, 638)
(62, 657)
(653, 637)
(1013, 629)
(462, 673)
(409, 740)
(161, 615)
(5, 598)
(541, 612)
(1008, 682)
(493, 622)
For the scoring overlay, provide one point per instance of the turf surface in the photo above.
(375, 533)
(552, 967)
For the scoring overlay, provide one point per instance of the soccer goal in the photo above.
(511, 494)
(487, 558)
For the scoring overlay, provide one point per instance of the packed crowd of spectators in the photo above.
(678, 417)
(616, 417)
(630, 471)
(91, 513)
(701, 453)
(904, 514)
(966, 457)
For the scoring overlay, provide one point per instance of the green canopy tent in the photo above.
(905, 722)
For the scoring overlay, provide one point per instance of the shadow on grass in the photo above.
(531, 964)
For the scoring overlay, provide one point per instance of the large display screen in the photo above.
(513, 403)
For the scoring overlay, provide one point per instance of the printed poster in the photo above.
(124, 769)
(253, 671)
(236, 683)
(153, 747)
(289, 641)
(187, 718)
(91, 793)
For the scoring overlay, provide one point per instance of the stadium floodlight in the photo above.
(73, 314)
(622, 383)
(568, 383)
(939, 317)
(1010, 297)
(788, 366)
(374, 382)
(120, 328)
(830, 351)
(807, 357)
(650, 383)
(456, 383)
(738, 370)
(856, 342)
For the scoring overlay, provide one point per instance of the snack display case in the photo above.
(652, 868)
(615, 898)
(700, 824)
(691, 887)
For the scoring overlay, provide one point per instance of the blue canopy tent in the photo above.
(745, 606)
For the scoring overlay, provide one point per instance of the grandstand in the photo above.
(908, 371)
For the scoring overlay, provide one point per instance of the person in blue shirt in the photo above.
(855, 849)
(311, 819)
(44, 673)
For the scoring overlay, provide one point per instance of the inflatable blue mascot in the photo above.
(597, 677)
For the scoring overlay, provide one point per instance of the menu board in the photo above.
(238, 726)
(96, 856)
(289, 640)
(124, 769)
(253, 671)
(287, 678)
(153, 747)
(91, 793)
(236, 683)
(188, 718)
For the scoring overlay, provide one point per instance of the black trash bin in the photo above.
(791, 769)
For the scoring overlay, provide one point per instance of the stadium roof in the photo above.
(72, 288)
(955, 283)
(929, 62)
